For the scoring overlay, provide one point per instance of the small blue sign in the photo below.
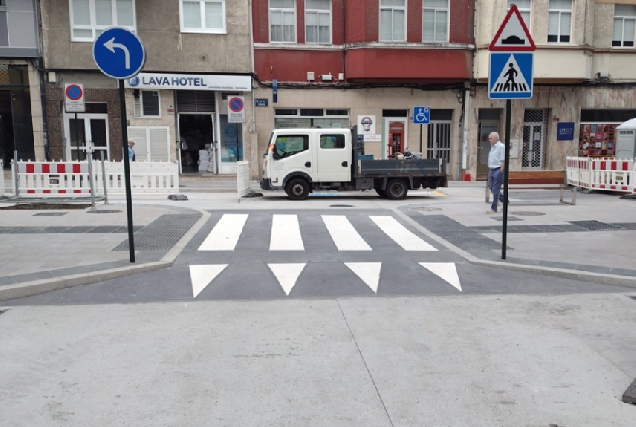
(261, 102)
(275, 91)
(119, 53)
(422, 115)
(565, 131)
(510, 75)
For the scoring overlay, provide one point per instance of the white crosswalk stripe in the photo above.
(400, 234)
(225, 234)
(343, 234)
(286, 234)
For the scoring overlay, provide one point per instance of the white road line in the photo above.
(287, 274)
(202, 275)
(286, 234)
(369, 272)
(225, 234)
(445, 270)
(343, 234)
(400, 234)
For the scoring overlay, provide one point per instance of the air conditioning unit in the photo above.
(327, 77)
(311, 76)
(602, 75)
(341, 76)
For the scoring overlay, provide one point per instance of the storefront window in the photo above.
(231, 141)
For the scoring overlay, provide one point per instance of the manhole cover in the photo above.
(104, 211)
(340, 206)
(595, 225)
(528, 213)
(428, 209)
(50, 214)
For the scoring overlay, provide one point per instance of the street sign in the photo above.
(261, 102)
(565, 131)
(510, 75)
(236, 109)
(74, 98)
(513, 34)
(422, 115)
(119, 53)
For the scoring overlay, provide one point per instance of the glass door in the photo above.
(231, 145)
(91, 128)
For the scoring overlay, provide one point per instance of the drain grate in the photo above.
(340, 206)
(510, 218)
(527, 213)
(103, 211)
(50, 214)
(428, 209)
(595, 225)
(161, 234)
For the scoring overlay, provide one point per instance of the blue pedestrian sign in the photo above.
(510, 75)
(422, 115)
(119, 53)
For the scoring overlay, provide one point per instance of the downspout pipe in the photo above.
(42, 74)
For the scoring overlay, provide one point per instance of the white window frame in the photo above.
(435, 10)
(392, 8)
(282, 10)
(139, 112)
(93, 26)
(624, 18)
(3, 5)
(319, 12)
(522, 10)
(560, 33)
(202, 29)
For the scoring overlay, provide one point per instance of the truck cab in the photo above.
(298, 158)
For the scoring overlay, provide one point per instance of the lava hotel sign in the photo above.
(189, 82)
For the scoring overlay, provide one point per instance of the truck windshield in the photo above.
(288, 145)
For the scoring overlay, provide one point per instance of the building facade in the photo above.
(198, 55)
(338, 63)
(21, 124)
(583, 74)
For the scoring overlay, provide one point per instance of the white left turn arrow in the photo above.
(111, 45)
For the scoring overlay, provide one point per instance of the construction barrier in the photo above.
(242, 179)
(602, 174)
(64, 179)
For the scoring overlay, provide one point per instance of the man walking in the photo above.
(496, 167)
(131, 152)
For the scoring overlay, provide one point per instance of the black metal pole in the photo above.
(506, 175)
(421, 140)
(124, 134)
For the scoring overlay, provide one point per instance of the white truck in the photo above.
(301, 161)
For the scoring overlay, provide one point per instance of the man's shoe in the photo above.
(491, 212)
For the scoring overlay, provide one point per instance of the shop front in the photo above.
(16, 128)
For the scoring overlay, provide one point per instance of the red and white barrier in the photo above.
(602, 174)
(53, 178)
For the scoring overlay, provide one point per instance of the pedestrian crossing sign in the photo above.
(510, 75)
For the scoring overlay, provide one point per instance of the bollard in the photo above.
(104, 178)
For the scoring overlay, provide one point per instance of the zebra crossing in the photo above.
(305, 252)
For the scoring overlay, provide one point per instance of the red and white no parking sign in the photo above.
(236, 109)
(74, 98)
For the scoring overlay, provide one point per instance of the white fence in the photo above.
(242, 179)
(1, 178)
(602, 174)
(61, 179)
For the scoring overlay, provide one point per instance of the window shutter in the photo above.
(195, 101)
(137, 110)
(139, 135)
(159, 142)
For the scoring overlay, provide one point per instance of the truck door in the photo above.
(334, 157)
(292, 153)
(396, 139)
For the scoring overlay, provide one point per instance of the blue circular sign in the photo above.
(119, 53)
(74, 92)
(236, 105)
(230, 131)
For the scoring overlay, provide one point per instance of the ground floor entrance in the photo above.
(16, 128)
(85, 130)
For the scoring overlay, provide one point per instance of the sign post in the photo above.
(510, 76)
(421, 116)
(119, 54)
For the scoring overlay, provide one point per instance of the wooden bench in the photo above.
(537, 180)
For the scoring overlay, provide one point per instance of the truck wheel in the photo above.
(297, 189)
(396, 189)
(381, 193)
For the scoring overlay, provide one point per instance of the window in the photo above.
(89, 18)
(282, 21)
(332, 141)
(524, 7)
(147, 104)
(435, 21)
(202, 16)
(319, 118)
(288, 145)
(392, 20)
(318, 21)
(624, 26)
(560, 21)
(3, 5)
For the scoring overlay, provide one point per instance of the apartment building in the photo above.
(337, 63)
(21, 125)
(198, 53)
(583, 73)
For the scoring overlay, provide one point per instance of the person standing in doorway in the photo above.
(131, 152)
(496, 168)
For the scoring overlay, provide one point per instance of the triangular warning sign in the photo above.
(511, 79)
(513, 35)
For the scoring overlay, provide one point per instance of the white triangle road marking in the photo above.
(287, 274)
(369, 272)
(445, 270)
(202, 275)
